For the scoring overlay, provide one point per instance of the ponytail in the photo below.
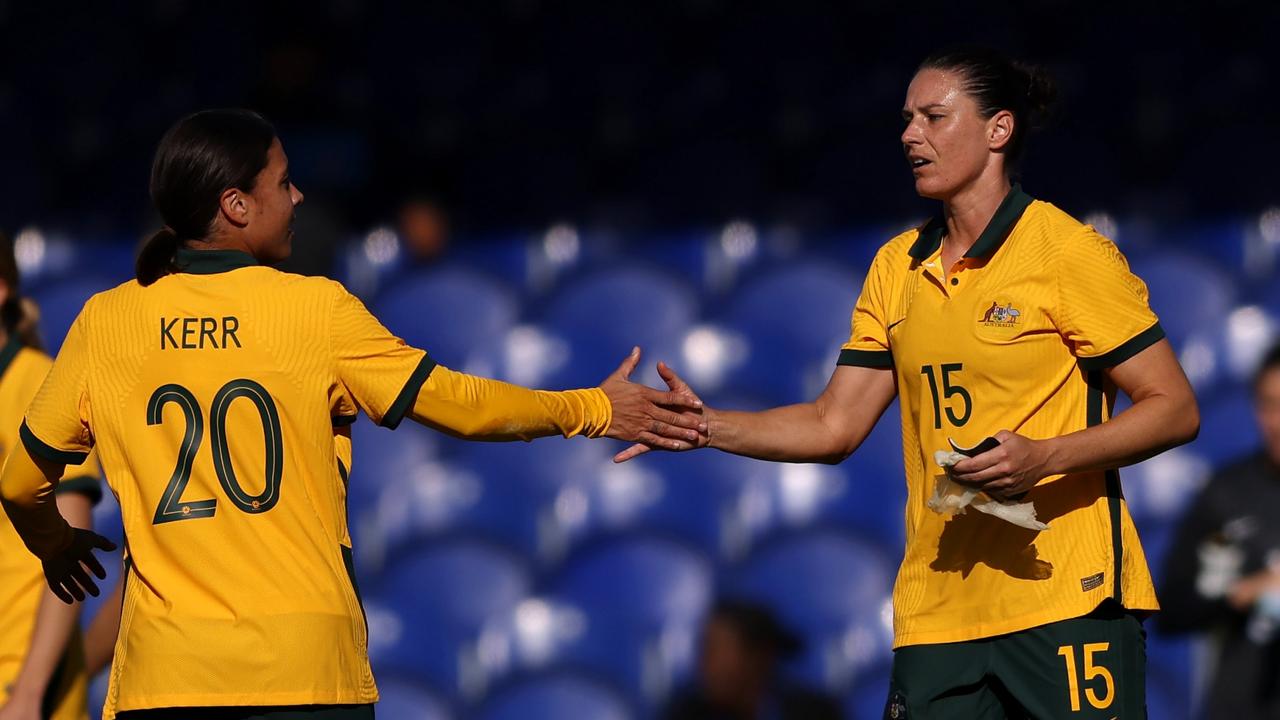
(156, 258)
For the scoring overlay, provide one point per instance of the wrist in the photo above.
(27, 691)
(715, 426)
(1050, 452)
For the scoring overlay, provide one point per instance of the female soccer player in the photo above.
(216, 390)
(1002, 317)
(42, 664)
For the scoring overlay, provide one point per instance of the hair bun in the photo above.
(1042, 92)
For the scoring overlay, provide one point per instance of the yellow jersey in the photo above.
(1015, 336)
(212, 397)
(22, 584)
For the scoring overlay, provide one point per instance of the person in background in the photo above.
(743, 644)
(42, 663)
(1222, 574)
(423, 227)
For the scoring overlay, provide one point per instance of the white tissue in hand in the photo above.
(951, 498)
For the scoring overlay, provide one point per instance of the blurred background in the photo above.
(528, 188)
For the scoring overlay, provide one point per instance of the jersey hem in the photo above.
(36, 446)
(154, 702)
(1025, 622)
(404, 400)
(866, 358)
(1126, 350)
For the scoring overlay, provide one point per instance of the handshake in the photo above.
(673, 420)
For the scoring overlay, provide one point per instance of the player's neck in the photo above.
(221, 242)
(969, 211)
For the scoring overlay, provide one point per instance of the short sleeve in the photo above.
(1102, 308)
(56, 426)
(381, 373)
(86, 480)
(868, 344)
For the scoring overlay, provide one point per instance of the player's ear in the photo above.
(235, 206)
(1000, 129)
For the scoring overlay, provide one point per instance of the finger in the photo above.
(629, 364)
(673, 399)
(71, 586)
(673, 381)
(981, 478)
(631, 452)
(82, 579)
(688, 420)
(60, 592)
(978, 463)
(96, 567)
(102, 543)
(663, 443)
(672, 432)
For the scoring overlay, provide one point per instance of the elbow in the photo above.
(1187, 422)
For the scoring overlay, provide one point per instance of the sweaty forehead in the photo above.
(934, 87)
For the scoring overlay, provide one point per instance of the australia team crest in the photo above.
(1003, 316)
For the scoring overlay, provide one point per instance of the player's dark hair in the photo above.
(1270, 361)
(201, 156)
(13, 313)
(996, 83)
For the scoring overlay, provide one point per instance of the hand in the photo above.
(1245, 593)
(1007, 471)
(65, 570)
(21, 706)
(676, 385)
(670, 420)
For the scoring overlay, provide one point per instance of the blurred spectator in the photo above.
(423, 227)
(1223, 571)
(742, 646)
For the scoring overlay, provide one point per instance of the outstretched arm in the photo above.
(827, 430)
(478, 408)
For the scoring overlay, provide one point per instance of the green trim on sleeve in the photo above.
(344, 420)
(86, 485)
(1128, 349)
(36, 446)
(408, 393)
(866, 358)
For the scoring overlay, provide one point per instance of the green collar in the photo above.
(9, 352)
(989, 241)
(208, 262)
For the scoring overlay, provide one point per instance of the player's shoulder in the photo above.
(33, 361)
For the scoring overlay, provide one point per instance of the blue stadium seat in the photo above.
(555, 697)
(398, 486)
(457, 314)
(1159, 489)
(795, 320)
(834, 589)
(1227, 427)
(867, 699)
(535, 496)
(644, 598)
(60, 302)
(435, 599)
(604, 315)
(876, 488)
(1189, 293)
(403, 699)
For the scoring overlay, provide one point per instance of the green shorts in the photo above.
(287, 712)
(1086, 668)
